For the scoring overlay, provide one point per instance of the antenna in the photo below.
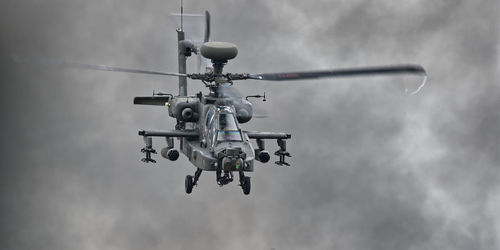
(182, 5)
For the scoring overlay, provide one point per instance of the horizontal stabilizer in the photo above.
(152, 100)
(170, 133)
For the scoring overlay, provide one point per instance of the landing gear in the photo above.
(189, 184)
(245, 183)
(224, 178)
(190, 181)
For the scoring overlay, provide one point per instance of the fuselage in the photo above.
(222, 144)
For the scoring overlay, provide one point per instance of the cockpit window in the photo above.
(210, 116)
(227, 122)
(228, 135)
(228, 130)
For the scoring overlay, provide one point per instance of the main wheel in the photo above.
(246, 185)
(189, 184)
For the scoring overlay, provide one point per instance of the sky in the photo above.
(372, 167)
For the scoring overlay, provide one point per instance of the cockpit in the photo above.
(228, 130)
(221, 126)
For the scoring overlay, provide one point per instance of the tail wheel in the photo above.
(246, 185)
(189, 184)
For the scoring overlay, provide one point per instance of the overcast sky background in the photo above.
(372, 167)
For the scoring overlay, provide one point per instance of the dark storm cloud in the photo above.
(373, 168)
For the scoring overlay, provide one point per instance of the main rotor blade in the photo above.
(92, 66)
(119, 69)
(287, 76)
(207, 27)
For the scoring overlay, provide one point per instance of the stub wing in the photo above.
(169, 135)
(267, 135)
(261, 154)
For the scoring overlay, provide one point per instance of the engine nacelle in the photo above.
(187, 114)
(244, 111)
(184, 109)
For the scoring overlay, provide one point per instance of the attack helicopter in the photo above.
(208, 125)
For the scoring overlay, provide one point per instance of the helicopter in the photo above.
(208, 125)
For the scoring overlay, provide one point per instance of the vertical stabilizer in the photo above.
(192, 31)
(182, 63)
(182, 56)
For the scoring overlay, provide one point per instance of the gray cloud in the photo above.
(373, 168)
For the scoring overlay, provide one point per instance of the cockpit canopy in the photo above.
(228, 129)
(222, 125)
(227, 122)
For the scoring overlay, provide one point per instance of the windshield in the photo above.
(227, 122)
(228, 130)
(228, 136)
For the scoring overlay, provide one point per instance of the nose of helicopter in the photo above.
(232, 164)
(233, 159)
